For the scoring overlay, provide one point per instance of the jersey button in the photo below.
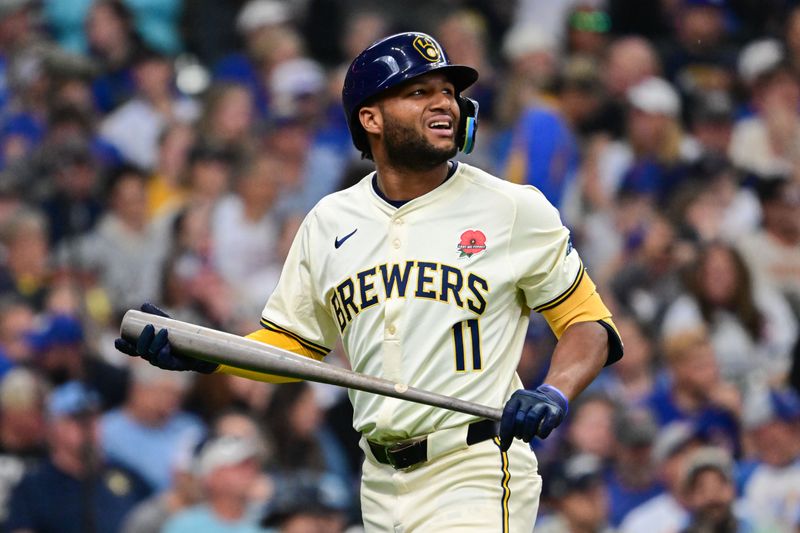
(392, 330)
(398, 221)
(396, 243)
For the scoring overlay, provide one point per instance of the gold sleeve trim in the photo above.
(279, 340)
(580, 303)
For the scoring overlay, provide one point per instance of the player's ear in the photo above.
(371, 119)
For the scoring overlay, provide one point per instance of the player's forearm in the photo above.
(578, 357)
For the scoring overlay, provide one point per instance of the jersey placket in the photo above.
(397, 253)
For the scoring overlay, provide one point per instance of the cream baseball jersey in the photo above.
(435, 294)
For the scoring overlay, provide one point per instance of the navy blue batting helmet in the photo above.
(397, 59)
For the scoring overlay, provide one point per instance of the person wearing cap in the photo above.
(588, 30)
(429, 469)
(578, 495)
(701, 57)
(227, 469)
(660, 151)
(772, 421)
(62, 354)
(76, 489)
(267, 28)
(767, 143)
(666, 512)
(631, 479)
(710, 492)
(308, 503)
(711, 122)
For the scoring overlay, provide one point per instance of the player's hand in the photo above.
(155, 348)
(529, 414)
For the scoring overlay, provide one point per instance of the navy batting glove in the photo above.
(155, 348)
(532, 413)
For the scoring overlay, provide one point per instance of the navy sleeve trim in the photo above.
(615, 346)
(564, 295)
(317, 348)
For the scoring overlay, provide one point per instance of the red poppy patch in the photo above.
(473, 242)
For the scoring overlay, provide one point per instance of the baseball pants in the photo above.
(477, 489)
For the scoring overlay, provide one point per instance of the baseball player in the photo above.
(427, 271)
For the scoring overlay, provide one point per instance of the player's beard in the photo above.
(407, 149)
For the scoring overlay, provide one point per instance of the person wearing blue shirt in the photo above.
(73, 491)
(544, 153)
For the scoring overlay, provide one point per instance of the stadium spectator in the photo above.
(711, 120)
(588, 30)
(302, 442)
(209, 173)
(693, 390)
(710, 493)
(76, 489)
(147, 432)
(575, 488)
(245, 229)
(113, 42)
(150, 515)
(631, 479)
(61, 354)
(308, 503)
(772, 253)
(154, 105)
(166, 187)
(25, 272)
(772, 419)
(667, 511)
(22, 429)
(71, 200)
(701, 58)
(590, 427)
(228, 118)
(752, 328)
(227, 468)
(269, 36)
(16, 319)
(711, 205)
(646, 271)
(768, 143)
(629, 61)
(113, 251)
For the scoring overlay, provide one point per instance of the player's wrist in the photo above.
(554, 393)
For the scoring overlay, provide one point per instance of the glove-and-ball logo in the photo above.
(472, 242)
(427, 49)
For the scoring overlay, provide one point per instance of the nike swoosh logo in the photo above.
(338, 242)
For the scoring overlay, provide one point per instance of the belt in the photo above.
(407, 454)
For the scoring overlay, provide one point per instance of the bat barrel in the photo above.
(228, 349)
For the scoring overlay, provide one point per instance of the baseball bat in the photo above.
(225, 348)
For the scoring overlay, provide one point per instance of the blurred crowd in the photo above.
(166, 151)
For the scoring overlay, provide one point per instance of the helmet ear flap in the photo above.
(468, 124)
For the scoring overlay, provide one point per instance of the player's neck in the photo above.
(403, 184)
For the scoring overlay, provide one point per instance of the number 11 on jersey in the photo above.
(475, 341)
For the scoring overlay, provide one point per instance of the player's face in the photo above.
(420, 120)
